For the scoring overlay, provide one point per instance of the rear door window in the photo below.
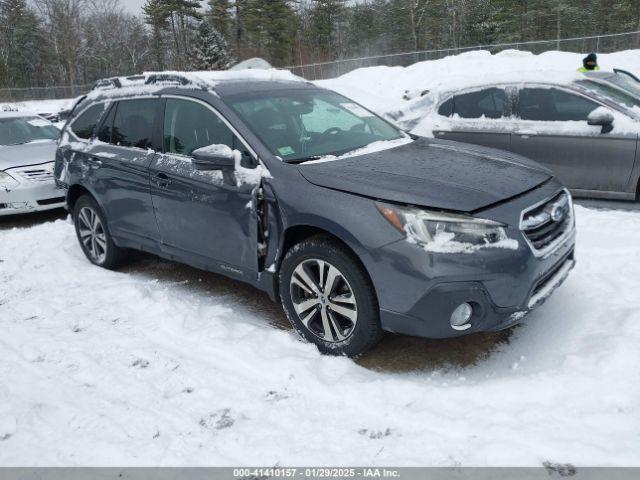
(488, 103)
(553, 105)
(85, 125)
(133, 123)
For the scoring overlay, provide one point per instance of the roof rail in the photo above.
(108, 82)
(167, 78)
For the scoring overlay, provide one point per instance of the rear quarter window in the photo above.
(446, 109)
(85, 125)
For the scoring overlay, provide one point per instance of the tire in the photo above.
(93, 234)
(349, 308)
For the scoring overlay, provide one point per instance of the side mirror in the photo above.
(214, 157)
(602, 117)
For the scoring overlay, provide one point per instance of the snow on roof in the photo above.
(150, 82)
(214, 77)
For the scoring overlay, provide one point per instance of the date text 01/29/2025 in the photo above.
(282, 472)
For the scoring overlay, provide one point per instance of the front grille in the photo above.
(545, 224)
(34, 174)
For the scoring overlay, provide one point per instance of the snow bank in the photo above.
(149, 366)
(382, 88)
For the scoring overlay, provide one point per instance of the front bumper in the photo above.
(30, 197)
(418, 291)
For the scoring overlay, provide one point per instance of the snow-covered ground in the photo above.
(147, 366)
(40, 106)
(140, 368)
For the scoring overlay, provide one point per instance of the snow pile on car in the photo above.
(150, 82)
(382, 88)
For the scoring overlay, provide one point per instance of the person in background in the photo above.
(589, 63)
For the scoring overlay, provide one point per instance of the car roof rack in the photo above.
(113, 82)
(167, 78)
(148, 79)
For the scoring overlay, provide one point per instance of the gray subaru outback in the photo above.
(354, 226)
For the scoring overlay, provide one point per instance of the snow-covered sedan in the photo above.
(583, 127)
(27, 154)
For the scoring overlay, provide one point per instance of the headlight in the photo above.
(7, 180)
(446, 232)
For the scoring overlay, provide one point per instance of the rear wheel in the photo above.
(94, 236)
(328, 297)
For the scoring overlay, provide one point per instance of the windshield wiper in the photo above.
(304, 159)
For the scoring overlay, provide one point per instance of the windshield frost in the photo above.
(18, 130)
(299, 124)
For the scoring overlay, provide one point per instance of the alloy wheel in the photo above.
(323, 300)
(92, 234)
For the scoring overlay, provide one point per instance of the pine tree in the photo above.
(210, 50)
(178, 18)
(220, 16)
(270, 28)
(21, 43)
(156, 17)
(325, 25)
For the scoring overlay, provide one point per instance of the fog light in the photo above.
(460, 317)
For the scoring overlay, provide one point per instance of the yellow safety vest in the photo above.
(583, 70)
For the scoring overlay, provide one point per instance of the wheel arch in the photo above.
(297, 233)
(74, 193)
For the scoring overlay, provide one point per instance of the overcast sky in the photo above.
(133, 6)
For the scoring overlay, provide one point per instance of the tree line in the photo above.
(69, 42)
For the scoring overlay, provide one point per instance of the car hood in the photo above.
(431, 173)
(27, 154)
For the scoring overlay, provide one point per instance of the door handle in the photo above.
(94, 162)
(161, 179)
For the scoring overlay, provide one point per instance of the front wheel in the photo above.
(329, 298)
(94, 236)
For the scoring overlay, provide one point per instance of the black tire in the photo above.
(112, 256)
(352, 282)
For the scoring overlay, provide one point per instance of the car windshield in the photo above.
(19, 130)
(618, 89)
(627, 83)
(303, 124)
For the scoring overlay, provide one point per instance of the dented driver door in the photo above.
(206, 218)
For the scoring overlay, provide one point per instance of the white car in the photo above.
(27, 154)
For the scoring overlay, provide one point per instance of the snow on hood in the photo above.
(431, 173)
(371, 148)
(33, 153)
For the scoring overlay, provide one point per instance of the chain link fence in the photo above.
(324, 70)
(597, 43)
(11, 95)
